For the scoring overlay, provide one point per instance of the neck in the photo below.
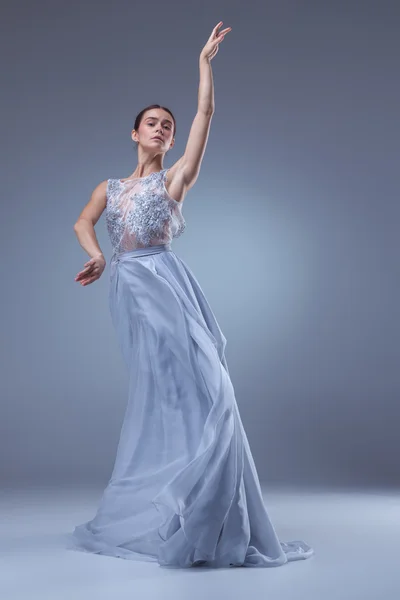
(147, 165)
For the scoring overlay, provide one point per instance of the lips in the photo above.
(157, 138)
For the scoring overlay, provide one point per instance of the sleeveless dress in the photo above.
(184, 490)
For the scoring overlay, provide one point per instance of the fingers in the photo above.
(223, 32)
(220, 36)
(88, 280)
(214, 33)
(85, 272)
(91, 271)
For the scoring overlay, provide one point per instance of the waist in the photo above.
(116, 257)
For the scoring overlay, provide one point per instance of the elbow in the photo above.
(77, 225)
(83, 222)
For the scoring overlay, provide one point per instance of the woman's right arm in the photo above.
(84, 226)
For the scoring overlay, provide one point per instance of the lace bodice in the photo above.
(141, 213)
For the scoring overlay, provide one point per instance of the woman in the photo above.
(184, 490)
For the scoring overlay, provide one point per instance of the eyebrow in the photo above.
(156, 119)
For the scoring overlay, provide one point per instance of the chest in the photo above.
(138, 205)
(141, 210)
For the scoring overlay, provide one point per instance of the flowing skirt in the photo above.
(184, 490)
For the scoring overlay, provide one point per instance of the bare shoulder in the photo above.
(175, 181)
(97, 203)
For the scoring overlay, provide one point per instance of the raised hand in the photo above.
(212, 45)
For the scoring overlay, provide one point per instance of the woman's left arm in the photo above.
(191, 160)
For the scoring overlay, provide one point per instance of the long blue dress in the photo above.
(184, 490)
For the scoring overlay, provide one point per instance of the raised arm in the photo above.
(190, 162)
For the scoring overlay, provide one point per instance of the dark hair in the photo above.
(140, 116)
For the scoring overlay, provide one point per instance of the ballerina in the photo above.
(184, 490)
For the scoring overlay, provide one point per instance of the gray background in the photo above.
(292, 226)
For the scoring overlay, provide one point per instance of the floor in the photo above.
(355, 535)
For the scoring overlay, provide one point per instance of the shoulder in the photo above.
(106, 187)
(97, 203)
(102, 186)
(100, 191)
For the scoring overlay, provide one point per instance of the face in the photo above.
(155, 122)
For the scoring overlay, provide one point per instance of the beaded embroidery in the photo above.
(140, 213)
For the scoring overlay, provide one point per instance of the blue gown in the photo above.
(184, 490)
